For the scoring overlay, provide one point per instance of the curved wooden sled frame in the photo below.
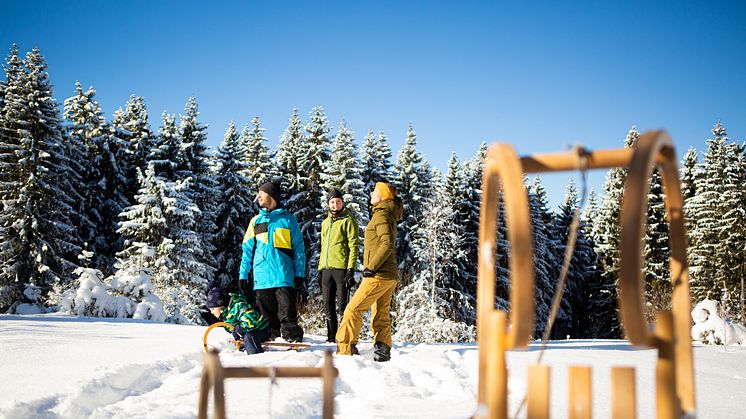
(503, 168)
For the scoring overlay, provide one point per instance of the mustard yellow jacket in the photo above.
(379, 246)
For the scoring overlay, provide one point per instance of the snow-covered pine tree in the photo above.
(256, 161)
(202, 189)
(376, 165)
(408, 180)
(733, 230)
(344, 173)
(607, 227)
(458, 195)
(287, 159)
(133, 128)
(429, 308)
(600, 318)
(656, 253)
(313, 157)
(160, 238)
(104, 182)
(546, 263)
(166, 154)
(40, 188)
(709, 267)
(582, 264)
(234, 209)
(370, 166)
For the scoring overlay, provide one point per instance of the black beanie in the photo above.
(272, 189)
(334, 193)
(216, 297)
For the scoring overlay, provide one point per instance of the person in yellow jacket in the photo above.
(340, 240)
(379, 277)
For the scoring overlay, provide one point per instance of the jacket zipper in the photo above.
(329, 241)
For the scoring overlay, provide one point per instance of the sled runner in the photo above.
(294, 346)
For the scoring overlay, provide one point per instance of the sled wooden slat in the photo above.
(213, 376)
(579, 393)
(667, 406)
(623, 393)
(497, 399)
(538, 392)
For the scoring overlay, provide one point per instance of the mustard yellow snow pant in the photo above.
(373, 292)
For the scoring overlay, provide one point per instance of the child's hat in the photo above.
(216, 297)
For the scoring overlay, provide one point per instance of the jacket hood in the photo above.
(394, 208)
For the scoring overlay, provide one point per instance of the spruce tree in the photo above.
(133, 128)
(546, 263)
(203, 192)
(606, 231)
(41, 187)
(343, 172)
(287, 159)
(234, 209)
(160, 238)
(257, 167)
(313, 157)
(409, 183)
(165, 156)
(709, 268)
(656, 252)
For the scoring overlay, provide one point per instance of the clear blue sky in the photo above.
(541, 76)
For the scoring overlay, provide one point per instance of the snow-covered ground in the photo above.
(60, 366)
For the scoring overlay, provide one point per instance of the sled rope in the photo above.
(572, 236)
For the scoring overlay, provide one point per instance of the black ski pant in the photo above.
(334, 294)
(278, 307)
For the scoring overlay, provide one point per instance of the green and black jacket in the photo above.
(241, 314)
(340, 240)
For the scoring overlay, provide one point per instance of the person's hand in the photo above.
(246, 286)
(318, 277)
(350, 278)
(367, 273)
(237, 335)
(299, 280)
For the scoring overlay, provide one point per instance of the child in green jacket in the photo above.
(248, 323)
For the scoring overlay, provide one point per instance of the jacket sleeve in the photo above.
(247, 256)
(299, 249)
(385, 246)
(353, 241)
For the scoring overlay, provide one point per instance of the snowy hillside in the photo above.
(59, 366)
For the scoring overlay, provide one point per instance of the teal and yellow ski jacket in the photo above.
(340, 242)
(273, 249)
(241, 314)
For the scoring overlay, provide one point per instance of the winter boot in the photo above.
(381, 352)
(331, 331)
(353, 350)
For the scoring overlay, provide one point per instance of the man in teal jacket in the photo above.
(340, 240)
(273, 251)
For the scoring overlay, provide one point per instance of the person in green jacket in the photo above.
(340, 240)
(248, 324)
(380, 277)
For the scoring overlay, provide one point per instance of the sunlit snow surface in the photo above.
(61, 366)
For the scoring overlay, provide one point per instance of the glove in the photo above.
(350, 278)
(299, 280)
(318, 277)
(246, 286)
(237, 335)
(367, 273)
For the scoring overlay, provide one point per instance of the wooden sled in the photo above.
(294, 346)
